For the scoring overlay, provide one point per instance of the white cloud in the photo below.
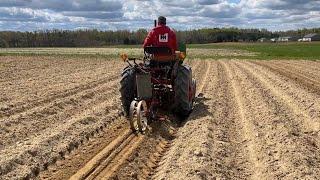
(135, 14)
(27, 14)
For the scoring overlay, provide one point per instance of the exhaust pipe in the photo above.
(155, 23)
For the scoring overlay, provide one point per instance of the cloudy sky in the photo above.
(30, 15)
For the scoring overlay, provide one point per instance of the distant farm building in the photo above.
(263, 40)
(287, 39)
(273, 40)
(311, 37)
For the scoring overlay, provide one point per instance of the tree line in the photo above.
(97, 38)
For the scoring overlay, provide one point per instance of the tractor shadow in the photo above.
(200, 110)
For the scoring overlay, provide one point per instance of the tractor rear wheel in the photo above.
(127, 88)
(183, 91)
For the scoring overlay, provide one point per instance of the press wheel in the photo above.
(133, 116)
(142, 118)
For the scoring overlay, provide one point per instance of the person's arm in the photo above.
(174, 41)
(148, 40)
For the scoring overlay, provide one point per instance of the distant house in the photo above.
(273, 40)
(287, 39)
(311, 37)
(263, 40)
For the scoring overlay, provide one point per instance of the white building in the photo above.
(311, 37)
(287, 39)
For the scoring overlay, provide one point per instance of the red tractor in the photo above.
(158, 81)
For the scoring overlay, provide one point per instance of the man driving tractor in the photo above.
(159, 81)
(161, 36)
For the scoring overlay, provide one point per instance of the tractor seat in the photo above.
(162, 54)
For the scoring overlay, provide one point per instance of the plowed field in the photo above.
(61, 118)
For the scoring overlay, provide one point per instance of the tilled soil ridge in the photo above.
(43, 116)
(251, 120)
(253, 123)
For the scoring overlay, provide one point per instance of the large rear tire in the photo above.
(127, 88)
(183, 91)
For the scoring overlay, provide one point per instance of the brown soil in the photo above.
(252, 119)
(49, 107)
(253, 122)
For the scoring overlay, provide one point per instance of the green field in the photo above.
(294, 50)
(263, 51)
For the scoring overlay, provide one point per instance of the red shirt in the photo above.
(161, 36)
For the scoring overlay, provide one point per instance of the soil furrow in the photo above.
(298, 69)
(313, 84)
(195, 65)
(107, 158)
(302, 103)
(251, 120)
(244, 127)
(202, 79)
(33, 123)
(24, 68)
(230, 159)
(48, 99)
(312, 65)
(70, 164)
(284, 147)
(293, 89)
(50, 83)
(32, 74)
(58, 137)
(172, 164)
